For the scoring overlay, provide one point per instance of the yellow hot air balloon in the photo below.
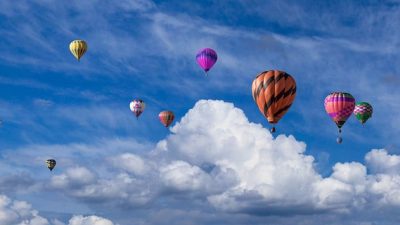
(78, 48)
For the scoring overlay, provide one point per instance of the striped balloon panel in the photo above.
(339, 106)
(166, 117)
(363, 111)
(137, 106)
(78, 48)
(274, 92)
(206, 58)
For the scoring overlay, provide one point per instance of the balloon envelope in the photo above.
(78, 48)
(274, 92)
(363, 111)
(206, 58)
(166, 117)
(137, 106)
(339, 106)
(51, 163)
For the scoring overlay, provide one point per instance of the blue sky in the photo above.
(217, 164)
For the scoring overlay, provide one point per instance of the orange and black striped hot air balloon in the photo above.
(274, 92)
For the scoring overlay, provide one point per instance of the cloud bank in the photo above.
(13, 212)
(216, 159)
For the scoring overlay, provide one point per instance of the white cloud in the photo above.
(131, 163)
(379, 161)
(89, 220)
(14, 212)
(77, 176)
(216, 157)
(274, 174)
(121, 189)
(217, 133)
(184, 177)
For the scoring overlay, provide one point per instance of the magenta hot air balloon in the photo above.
(339, 106)
(206, 58)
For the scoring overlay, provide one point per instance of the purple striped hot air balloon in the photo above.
(206, 58)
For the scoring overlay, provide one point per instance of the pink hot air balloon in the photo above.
(206, 58)
(339, 106)
(137, 107)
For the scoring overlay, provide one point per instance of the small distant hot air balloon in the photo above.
(51, 163)
(166, 117)
(363, 111)
(78, 48)
(137, 107)
(274, 92)
(339, 106)
(206, 58)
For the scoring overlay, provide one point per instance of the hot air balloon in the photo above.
(51, 163)
(166, 117)
(274, 92)
(137, 107)
(78, 48)
(363, 111)
(339, 106)
(206, 58)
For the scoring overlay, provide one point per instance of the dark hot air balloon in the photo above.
(51, 163)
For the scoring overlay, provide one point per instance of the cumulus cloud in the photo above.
(121, 189)
(89, 220)
(265, 167)
(182, 176)
(379, 161)
(274, 174)
(131, 163)
(234, 165)
(14, 212)
(73, 177)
